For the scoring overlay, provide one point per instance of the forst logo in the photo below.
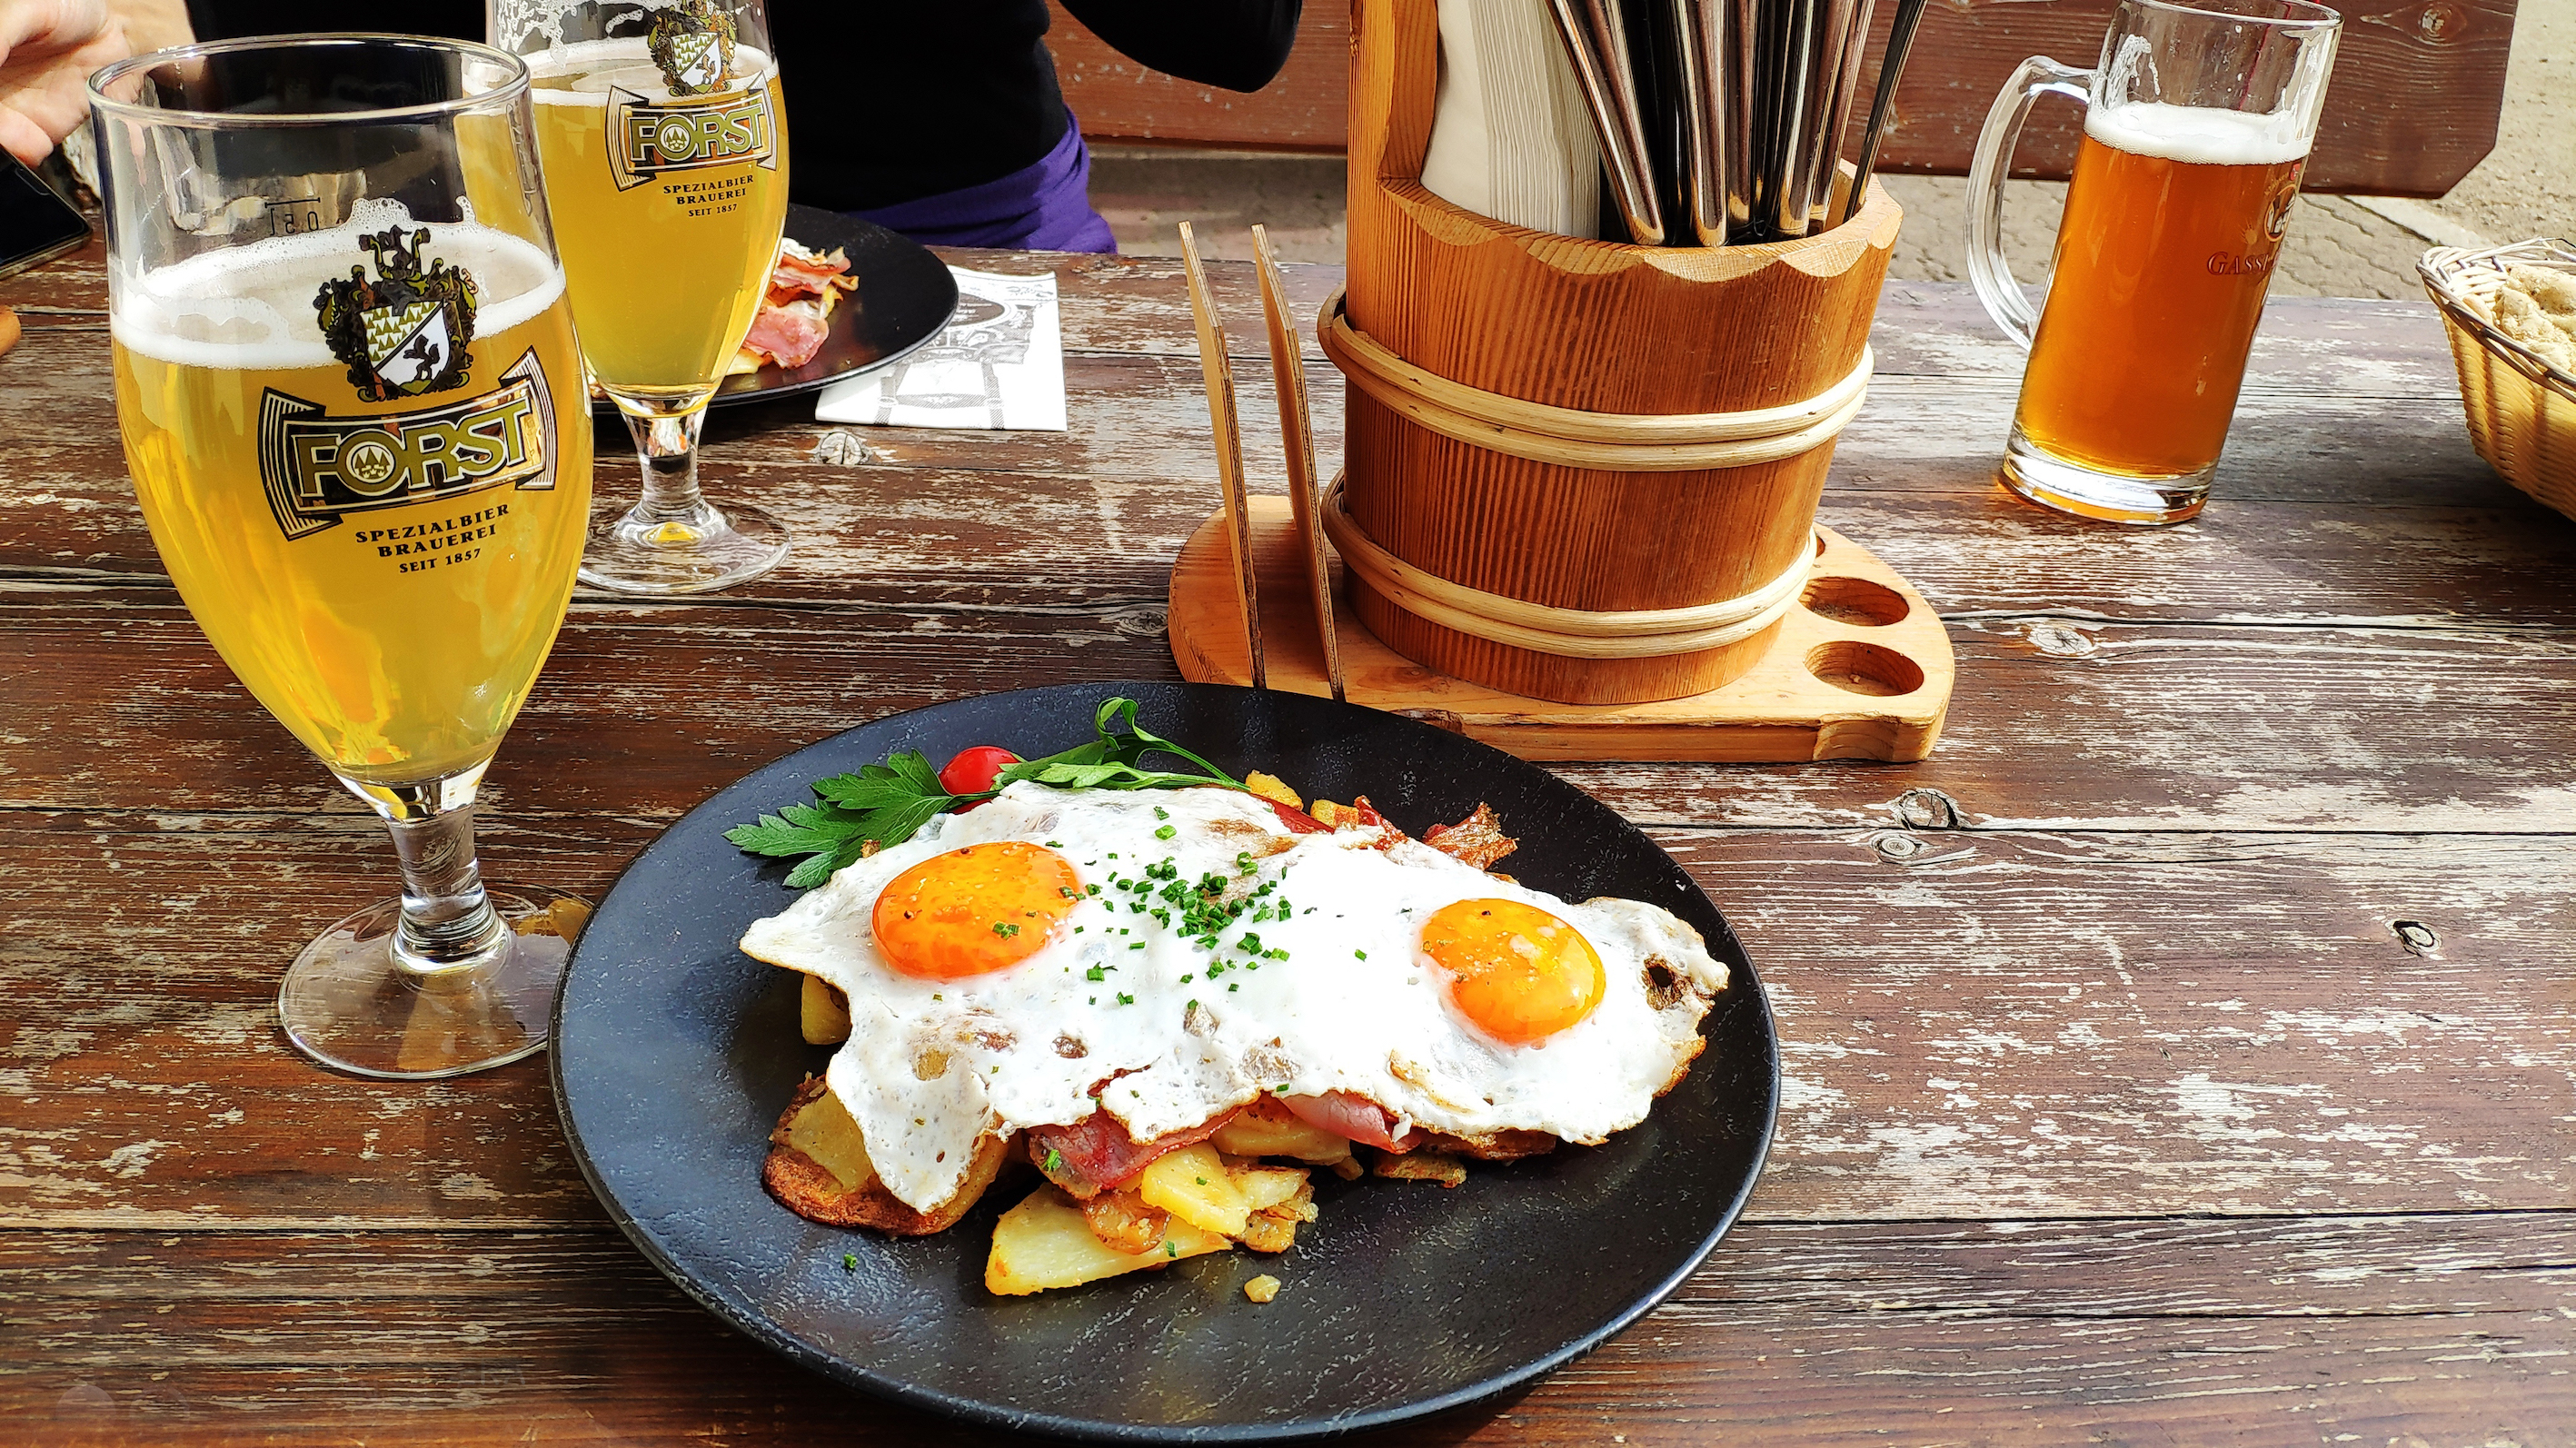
(317, 467)
(406, 332)
(655, 140)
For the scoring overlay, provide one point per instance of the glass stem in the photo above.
(666, 443)
(448, 924)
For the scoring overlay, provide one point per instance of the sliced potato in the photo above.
(1044, 1242)
(1266, 1128)
(1422, 1166)
(1264, 1187)
(1271, 787)
(818, 1192)
(1192, 1184)
(1122, 1220)
(824, 1013)
(826, 1132)
(1299, 1208)
(1274, 1229)
(1266, 1233)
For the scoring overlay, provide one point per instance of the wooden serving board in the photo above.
(1862, 670)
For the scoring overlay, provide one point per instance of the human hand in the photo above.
(47, 50)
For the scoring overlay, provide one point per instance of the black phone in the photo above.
(36, 223)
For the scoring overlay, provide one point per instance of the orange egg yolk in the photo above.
(1518, 972)
(973, 911)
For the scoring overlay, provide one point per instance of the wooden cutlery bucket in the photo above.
(1577, 470)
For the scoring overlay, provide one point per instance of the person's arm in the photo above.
(1238, 45)
(47, 50)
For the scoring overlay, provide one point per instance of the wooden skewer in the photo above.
(1297, 439)
(1229, 446)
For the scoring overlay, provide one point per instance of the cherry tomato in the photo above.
(972, 771)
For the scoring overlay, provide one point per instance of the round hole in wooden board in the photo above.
(1861, 668)
(1855, 601)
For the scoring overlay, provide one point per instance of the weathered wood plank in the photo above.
(2442, 540)
(1110, 303)
(2133, 1331)
(2414, 105)
(1304, 108)
(1994, 1025)
(115, 702)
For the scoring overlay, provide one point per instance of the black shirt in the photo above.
(890, 100)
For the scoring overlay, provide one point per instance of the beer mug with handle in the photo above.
(351, 401)
(2197, 126)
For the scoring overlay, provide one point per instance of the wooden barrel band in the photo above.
(1612, 441)
(1573, 633)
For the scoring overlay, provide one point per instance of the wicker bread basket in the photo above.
(2522, 411)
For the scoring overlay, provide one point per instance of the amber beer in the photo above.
(384, 572)
(2173, 222)
(667, 209)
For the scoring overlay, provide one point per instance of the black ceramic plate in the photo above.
(674, 1053)
(905, 297)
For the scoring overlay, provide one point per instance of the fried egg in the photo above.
(1168, 956)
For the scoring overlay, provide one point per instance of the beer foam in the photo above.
(2197, 135)
(580, 74)
(251, 307)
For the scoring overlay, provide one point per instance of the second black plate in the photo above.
(673, 1054)
(905, 296)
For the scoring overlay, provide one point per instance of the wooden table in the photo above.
(2124, 1102)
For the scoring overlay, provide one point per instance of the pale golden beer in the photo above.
(2173, 222)
(2197, 125)
(385, 574)
(667, 209)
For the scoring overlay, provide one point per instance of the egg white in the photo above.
(931, 1066)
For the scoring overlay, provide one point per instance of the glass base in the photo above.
(698, 553)
(348, 1005)
(2142, 501)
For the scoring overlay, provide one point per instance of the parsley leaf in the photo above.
(884, 804)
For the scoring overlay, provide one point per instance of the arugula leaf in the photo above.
(884, 804)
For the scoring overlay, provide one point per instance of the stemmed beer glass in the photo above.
(352, 406)
(665, 152)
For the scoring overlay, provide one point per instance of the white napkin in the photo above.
(1510, 137)
(999, 365)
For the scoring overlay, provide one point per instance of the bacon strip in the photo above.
(789, 338)
(1096, 1154)
(1477, 840)
(802, 273)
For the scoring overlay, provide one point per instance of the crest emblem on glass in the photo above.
(2197, 126)
(665, 151)
(351, 402)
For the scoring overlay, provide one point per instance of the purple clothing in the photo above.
(1044, 207)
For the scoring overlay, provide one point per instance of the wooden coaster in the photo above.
(1861, 671)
